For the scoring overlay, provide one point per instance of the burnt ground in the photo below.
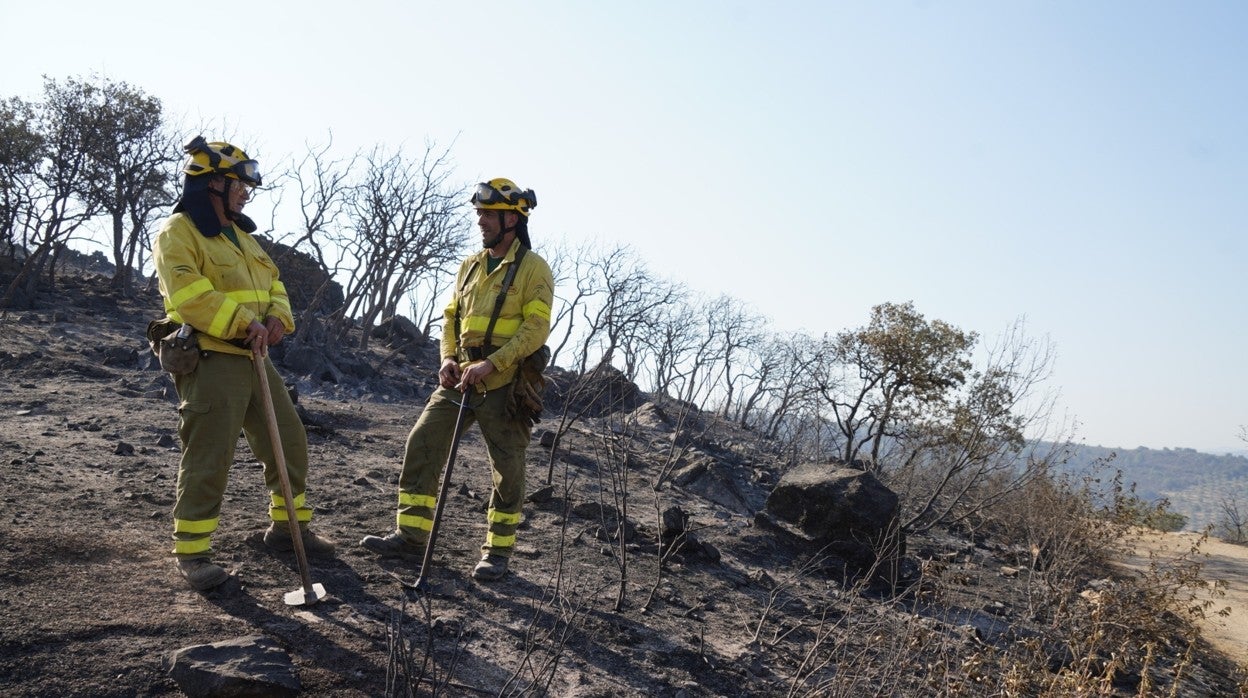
(91, 603)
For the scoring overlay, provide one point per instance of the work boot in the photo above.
(201, 574)
(278, 538)
(490, 568)
(393, 545)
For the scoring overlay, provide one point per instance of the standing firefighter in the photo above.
(215, 278)
(486, 337)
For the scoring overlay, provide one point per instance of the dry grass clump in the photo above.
(1101, 632)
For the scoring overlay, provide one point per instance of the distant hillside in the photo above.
(1194, 482)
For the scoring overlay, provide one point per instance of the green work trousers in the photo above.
(429, 443)
(218, 400)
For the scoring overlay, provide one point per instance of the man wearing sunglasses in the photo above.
(486, 336)
(216, 279)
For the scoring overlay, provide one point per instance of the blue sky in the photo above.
(1080, 165)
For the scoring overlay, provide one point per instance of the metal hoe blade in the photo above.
(302, 597)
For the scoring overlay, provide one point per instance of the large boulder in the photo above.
(848, 511)
(602, 391)
(308, 283)
(321, 365)
(398, 330)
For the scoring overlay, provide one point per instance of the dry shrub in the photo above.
(1102, 632)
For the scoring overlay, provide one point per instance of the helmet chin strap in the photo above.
(502, 232)
(224, 195)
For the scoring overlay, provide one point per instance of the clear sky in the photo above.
(1082, 165)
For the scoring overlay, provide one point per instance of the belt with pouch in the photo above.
(478, 353)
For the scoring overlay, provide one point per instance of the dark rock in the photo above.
(686, 474)
(398, 330)
(848, 511)
(828, 502)
(246, 666)
(652, 416)
(710, 552)
(609, 517)
(719, 484)
(309, 360)
(310, 287)
(602, 391)
(121, 356)
(675, 522)
(542, 494)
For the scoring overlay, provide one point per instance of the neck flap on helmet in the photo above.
(196, 202)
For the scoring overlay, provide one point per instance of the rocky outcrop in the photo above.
(309, 285)
(602, 391)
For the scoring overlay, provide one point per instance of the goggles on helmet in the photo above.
(247, 171)
(486, 195)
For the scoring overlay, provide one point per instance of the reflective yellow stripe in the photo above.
(221, 321)
(280, 501)
(303, 514)
(191, 547)
(416, 500)
(503, 517)
(277, 510)
(199, 526)
(500, 541)
(249, 295)
(420, 522)
(189, 291)
(278, 288)
(505, 327)
(538, 308)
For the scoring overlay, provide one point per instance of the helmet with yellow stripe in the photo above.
(220, 158)
(501, 194)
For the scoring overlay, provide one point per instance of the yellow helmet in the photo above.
(503, 195)
(220, 158)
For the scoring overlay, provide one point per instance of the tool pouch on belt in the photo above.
(177, 346)
(527, 387)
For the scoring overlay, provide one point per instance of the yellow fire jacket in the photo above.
(523, 324)
(217, 287)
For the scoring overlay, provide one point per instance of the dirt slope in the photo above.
(1224, 562)
(91, 605)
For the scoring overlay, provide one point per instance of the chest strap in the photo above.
(508, 277)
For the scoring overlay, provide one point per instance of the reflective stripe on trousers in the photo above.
(218, 400)
(428, 445)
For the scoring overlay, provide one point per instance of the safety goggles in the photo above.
(247, 171)
(485, 195)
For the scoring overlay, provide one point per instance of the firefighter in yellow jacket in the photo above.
(215, 277)
(479, 368)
